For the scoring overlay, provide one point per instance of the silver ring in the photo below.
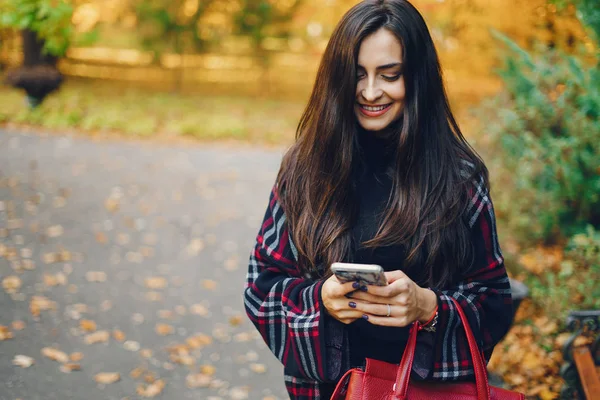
(389, 311)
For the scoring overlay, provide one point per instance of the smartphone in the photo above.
(366, 274)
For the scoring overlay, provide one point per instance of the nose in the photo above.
(371, 92)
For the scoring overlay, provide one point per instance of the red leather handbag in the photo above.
(383, 381)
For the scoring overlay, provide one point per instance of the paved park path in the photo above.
(130, 259)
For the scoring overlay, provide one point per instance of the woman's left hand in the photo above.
(405, 301)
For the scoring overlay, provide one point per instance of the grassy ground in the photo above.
(101, 108)
(104, 107)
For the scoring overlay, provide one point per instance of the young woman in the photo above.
(379, 174)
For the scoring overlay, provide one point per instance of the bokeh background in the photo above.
(193, 102)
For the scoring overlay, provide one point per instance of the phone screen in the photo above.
(363, 277)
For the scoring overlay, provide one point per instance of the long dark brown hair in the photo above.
(433, 164)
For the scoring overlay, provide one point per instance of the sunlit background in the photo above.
(189, 105)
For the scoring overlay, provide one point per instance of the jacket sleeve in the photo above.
(483, 293)
(284, 306)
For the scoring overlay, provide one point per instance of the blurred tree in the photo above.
(260, 19)
(263, 19)
(171, 24)
(545, 129)
(588, 12)
(45, 27)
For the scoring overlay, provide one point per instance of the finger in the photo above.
(398, 322)
(401, 285)
(370, 308)
(393, 276)
(340, 289)
(369, 297)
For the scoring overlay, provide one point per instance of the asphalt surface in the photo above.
(127, 236)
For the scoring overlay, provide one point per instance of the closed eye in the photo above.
(392, 78)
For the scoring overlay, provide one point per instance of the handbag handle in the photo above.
(481, 378)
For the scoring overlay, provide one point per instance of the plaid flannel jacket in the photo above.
(286, 309)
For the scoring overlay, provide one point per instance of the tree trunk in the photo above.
(32, 50)
(38, 75)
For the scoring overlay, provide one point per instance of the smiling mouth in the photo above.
(374, 111)
(374, 108)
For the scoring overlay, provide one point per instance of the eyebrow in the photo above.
(386, 66)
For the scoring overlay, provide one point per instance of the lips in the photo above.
(374, 111)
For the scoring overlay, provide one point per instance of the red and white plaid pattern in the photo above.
(284, 306)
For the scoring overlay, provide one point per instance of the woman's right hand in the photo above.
(333, 294)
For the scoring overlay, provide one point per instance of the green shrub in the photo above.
(51, 19)
(545, 136)
(575, 285)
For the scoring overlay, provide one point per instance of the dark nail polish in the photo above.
(356, 285)
(364, 288)
(365, 317)
(352, 304)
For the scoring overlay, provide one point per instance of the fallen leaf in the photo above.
(546, 394)
(97, 337)
(146, 353)
(134, 257)
(50, 258)
(197, 380)
(209, 284)
(149, 377)
(69, 367)
(111, 204)
(65, 256)
(11, 284)
(40, 303)
(137, 372)
(101, 237)
(199, 309)
(242, 337)
(55, 280)
(232, 263)
(258, 368)
(131, 345)
(87, 325)
(236, 320)
(55, 355)
(154, 296)
(5, 333)
(164, 329)
(208, 369)
(238, 393)
(156, 282)
(107, 377)
(118, 335)
(151, 390)
(18, 325)
(195, 247)
(26, 253)
(95, 276)
(137, 318)
(198, 341)
(147, 251)
(182, 358)
(23, 361)
(165, 314)
(28, 264)
(55, 231)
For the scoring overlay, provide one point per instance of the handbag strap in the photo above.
(481, 378)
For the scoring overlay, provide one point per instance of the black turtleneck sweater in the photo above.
(373, 188)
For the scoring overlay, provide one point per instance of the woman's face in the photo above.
(380, 82)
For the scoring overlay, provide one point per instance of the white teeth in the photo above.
(370, 108)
